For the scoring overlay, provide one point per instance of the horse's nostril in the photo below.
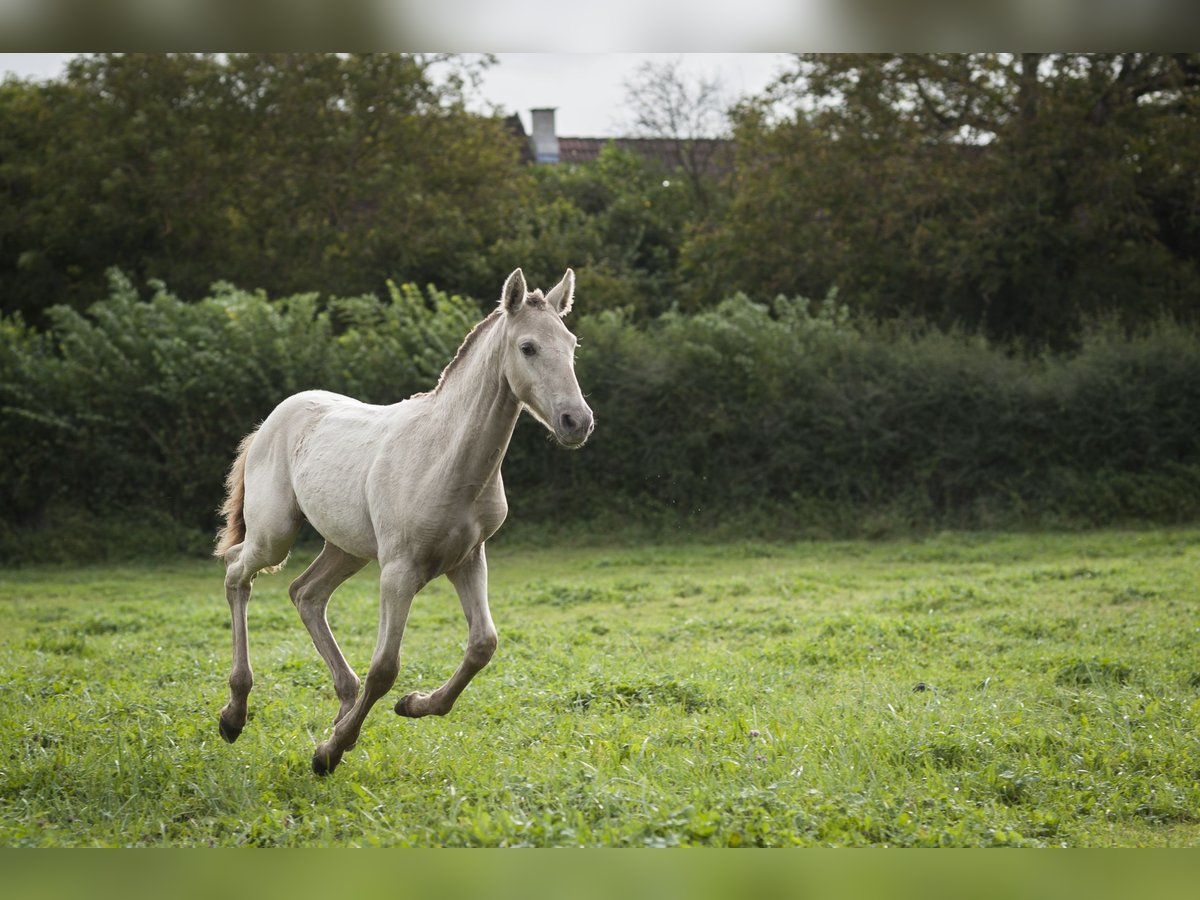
(568, 421)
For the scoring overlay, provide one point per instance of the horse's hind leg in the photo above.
(239, 581)
(470, 580)
(243, 562)
(310, 593)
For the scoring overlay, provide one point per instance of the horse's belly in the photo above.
(336, 507)
(354, 536)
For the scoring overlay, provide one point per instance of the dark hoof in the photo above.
(324, 762)
(402, 706)
(229, 732)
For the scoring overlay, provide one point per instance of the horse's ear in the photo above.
(512, 295)
(562, 295)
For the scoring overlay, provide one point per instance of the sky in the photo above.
(587, 89)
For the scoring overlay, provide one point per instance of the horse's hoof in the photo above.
(325, 761)
(229, 731)
(404, 706)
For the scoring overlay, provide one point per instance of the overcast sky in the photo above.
(588, 89)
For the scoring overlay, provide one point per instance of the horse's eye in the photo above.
(528, 349)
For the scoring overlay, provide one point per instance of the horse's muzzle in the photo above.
(573, 427)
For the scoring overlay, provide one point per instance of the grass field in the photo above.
(959, 690)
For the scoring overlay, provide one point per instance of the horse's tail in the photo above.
(234, 530)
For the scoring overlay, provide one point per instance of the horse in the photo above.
(415, 485)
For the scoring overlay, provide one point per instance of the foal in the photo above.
(415, 485)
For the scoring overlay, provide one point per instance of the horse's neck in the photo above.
(478, 410)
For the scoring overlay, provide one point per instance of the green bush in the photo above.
(793, 417)
(140, 404)
(782, 420)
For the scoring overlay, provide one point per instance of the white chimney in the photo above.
(545, 141)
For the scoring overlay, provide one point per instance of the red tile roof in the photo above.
(712, 156)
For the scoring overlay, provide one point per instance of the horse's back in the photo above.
(309, 407)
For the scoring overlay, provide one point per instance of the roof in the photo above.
(513, 125)
(712, 156)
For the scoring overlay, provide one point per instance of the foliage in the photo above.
(140, 403)
(663, 103)
(1019, 195)
(792, 418)
(287, 172)
(619, 222)
(811, 421)
(961, 690)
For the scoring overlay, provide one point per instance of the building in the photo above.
(705, 156)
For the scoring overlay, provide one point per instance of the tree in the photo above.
(1014, 193)
(616, 220)
(283, 171)
(691, 115)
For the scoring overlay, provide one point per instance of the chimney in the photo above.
(545, 141)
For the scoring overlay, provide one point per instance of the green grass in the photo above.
(960, 690)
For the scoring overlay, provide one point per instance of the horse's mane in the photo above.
(535, 298)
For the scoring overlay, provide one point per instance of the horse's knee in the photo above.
(346, 688)
(301, 596)
(381, 676)
(309, 602)
(481, 649)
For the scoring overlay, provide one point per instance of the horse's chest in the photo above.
(491, 509)
(443, 542)
(447, 548)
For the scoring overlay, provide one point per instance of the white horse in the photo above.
(415, 485)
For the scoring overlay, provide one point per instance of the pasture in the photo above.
(954, 690)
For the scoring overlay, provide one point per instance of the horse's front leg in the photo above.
(397, 587)
(470, 580)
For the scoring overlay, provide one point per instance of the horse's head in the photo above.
(539, 357)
